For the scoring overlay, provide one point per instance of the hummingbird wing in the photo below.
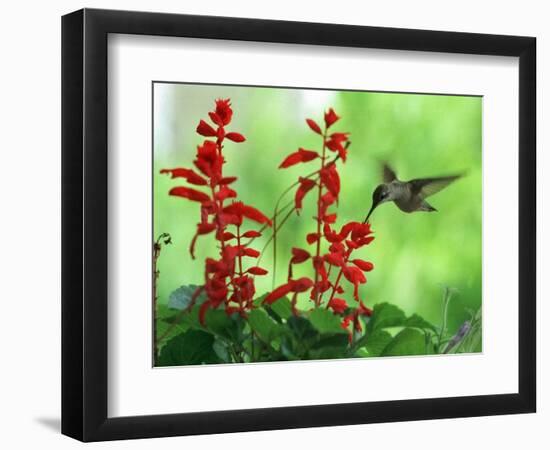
(424, 187)
(388, 174)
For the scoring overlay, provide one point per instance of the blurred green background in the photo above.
(415, 255)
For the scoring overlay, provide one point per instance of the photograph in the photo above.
(295, 224)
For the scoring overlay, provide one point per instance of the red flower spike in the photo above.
(257, 271)
(279, 292)
(299, 256)
(205, 130)
(189, 193)
(235, 137)
(329, 218)
(365, 266)
(338, 305)
(314, 127)
(330, 117)
(188, 174)
(224, 111)
(306, 185)
(297, 157)
(252, 234)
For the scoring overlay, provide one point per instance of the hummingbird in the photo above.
(409, 196)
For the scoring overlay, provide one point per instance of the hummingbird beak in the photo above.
(372, 208)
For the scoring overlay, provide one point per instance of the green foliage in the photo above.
(181, 298)
(386, 315)
(266, 328)
(190, 347)
(409, 341)
(275, 333)
(325, 322)
(377, 342)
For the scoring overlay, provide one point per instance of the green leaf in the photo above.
(335, 340)
(301, 329)
(386, 315)
(416, 321)
(282, 307)
(266, 328)
(164, 311)
(218, 322)
(191, 347)
(324, 321)
(258, 301)
(327, 353)
(407, 342)
(182, 296)
(221, 351)
(163, 325)
(377, 342)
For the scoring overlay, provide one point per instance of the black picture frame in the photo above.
(84, 224)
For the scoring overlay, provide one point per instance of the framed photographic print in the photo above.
(266, 224)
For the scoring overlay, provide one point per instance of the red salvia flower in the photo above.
(338, 305)
(252, 234)
(191, 176)
(312, 238)
(251, 252)
(301, 284)
(330, 179)
(306, 185)
(205, 130)
(314, 127)
(330, 117)
(279, 292)
(227, 180)
(301, 155)
(240, 210)
(191, 194)
(299, 256)
(224, 111)
(365, 266)
(257, 271)
(235, 137)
